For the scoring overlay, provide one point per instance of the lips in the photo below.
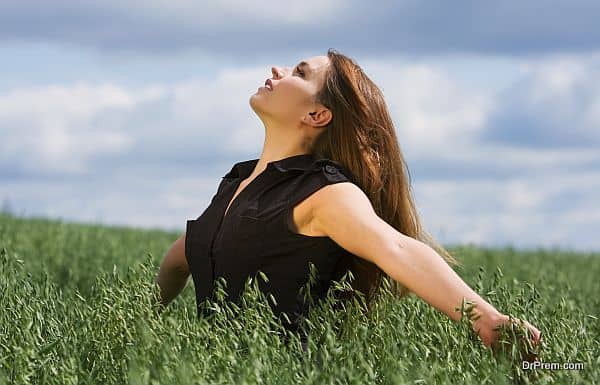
(269, 84)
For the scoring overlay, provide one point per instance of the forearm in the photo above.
(424, 272)
(171, 283)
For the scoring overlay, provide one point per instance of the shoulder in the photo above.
(339, 196)
(344, 213)
(334, 181)
(332, 201)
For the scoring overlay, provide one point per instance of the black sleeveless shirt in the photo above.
(256, 234)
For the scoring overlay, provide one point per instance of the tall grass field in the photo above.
(79, 305)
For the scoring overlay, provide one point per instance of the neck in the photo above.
(276, 148)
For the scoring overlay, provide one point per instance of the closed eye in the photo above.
(300, 72)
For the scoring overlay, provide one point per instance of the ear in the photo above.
(318, 118)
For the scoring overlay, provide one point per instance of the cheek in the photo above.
(292, 97)
(294, 90)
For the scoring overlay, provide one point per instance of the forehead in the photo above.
(315, 64)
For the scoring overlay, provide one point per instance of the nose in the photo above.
(277, 72)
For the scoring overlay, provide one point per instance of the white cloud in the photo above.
(430, 110)
(50, 128)
(525, 212)
(555, 103)
(565, 87)
(170, 144)
(65, 128)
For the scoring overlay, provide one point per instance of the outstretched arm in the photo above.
(174, 272)
(345, 214)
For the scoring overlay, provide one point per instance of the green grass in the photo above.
(78, 306)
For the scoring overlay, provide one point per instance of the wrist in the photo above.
(488, 319)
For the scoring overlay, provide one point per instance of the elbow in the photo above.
(173, 270)
(399, 257)
(403, 248)
(179, 270)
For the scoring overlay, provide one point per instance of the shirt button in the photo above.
(330, 169)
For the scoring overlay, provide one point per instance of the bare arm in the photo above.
(345, 214)
(174, 272)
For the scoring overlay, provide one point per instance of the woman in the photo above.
(331, 189)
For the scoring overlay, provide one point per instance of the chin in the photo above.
(254, 104)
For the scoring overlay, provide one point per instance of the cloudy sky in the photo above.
(129, 113)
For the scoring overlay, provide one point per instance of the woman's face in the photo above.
(292, 96)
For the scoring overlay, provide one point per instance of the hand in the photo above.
(488, 329)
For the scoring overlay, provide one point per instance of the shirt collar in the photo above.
(300, 162)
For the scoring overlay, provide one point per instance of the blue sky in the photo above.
(130, 112)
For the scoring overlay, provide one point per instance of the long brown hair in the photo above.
(362, 138)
